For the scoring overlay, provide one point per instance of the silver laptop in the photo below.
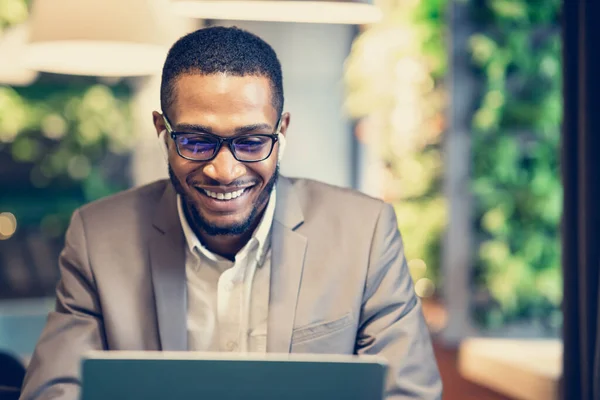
(190, 375)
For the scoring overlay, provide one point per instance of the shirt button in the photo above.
(231, 345)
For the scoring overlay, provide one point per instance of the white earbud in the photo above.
(281, 147)
(162, 142)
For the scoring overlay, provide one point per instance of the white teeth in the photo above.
(237, 194)
(224, 196)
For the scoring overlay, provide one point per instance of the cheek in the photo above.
(181, 168)
(265, 170)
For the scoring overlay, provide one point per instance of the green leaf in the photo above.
(482, 48)
(510, 9)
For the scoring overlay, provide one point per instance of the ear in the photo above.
(285, 123)
(159, 122)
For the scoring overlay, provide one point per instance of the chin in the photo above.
(223, 219)
(224, 225)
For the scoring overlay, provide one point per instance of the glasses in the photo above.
(196, 146)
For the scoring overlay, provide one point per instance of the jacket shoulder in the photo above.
(334, 200)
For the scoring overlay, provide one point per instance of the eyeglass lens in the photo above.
(203, 147)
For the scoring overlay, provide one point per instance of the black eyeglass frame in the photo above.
(220, 140)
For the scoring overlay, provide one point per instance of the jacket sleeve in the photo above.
(391, 323)
(74, 327)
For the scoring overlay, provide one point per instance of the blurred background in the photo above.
(449, 110)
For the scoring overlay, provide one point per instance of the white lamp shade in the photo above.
(325, 12)
(99, 37)
(12, 63)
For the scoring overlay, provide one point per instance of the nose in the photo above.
(224, 168)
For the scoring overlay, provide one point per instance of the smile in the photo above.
(224, 196)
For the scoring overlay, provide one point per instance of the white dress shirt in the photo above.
(228, 301)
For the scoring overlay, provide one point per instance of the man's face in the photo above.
(226, 106)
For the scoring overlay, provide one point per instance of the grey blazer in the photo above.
(339, 284)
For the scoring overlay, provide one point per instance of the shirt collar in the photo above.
(261, 234)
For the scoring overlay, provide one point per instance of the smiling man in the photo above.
(227, 255)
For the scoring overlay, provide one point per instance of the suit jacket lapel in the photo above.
(287, 263)
(167, 259)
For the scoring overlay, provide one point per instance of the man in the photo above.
(227, 255)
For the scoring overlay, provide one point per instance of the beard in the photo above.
(198, 222)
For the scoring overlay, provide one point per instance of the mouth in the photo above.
(224, 196)
(224, 201)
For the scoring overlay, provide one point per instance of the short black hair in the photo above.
(221, 50)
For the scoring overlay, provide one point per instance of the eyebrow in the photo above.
(205, 129)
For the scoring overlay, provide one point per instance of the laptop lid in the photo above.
(192, 375)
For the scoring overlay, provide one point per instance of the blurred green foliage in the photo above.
(516, 54)
(61, 135)
(13, 12)
(516, 57)
(394, 80)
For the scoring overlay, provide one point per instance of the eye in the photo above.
(194, 144)
(195, 140)
(252, 141)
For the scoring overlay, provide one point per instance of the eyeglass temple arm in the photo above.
(167, 123)
(278, 128)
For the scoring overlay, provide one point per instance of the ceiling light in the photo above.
(326, 12)
(12, 63)
(99, 38)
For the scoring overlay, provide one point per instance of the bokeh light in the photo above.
(8, 225)
(425, 288)
(54, 126)
(417, 268)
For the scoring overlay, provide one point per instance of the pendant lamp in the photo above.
(325, 12)
(12, 61)
(99, 37)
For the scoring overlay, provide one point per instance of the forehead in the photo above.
(217, 99)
